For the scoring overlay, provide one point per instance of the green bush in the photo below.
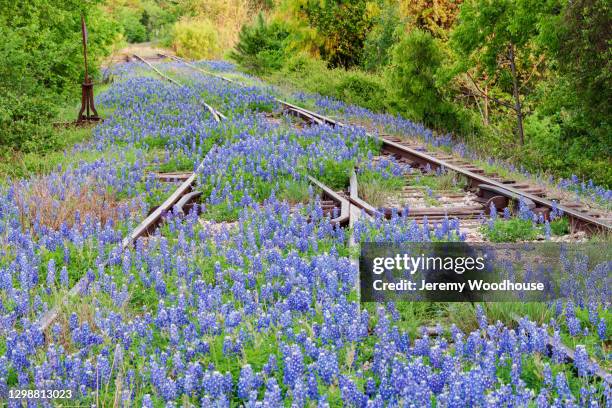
(341, 28)
(583, 154)
(361, 89)
(132, 27)
(412, 76)
(196, 39)
(24, 121)
(379, 41)
(560, 226)
(262, 46)
(42, 66)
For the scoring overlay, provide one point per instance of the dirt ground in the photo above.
(145, 50)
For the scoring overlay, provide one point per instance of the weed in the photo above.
(376, 188)
(448, 181)
(294, 191)
(336, 174)
(221, 213)
(511, 230)
(560, 226)
(40, 202)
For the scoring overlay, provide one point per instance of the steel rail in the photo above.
(161, 74)
(145, 227)
(190, 65)
(343, 219)
(394, 147)
(179, 199)
(475, 178)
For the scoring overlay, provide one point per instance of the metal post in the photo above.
(88, 111)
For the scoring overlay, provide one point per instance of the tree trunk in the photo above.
(486, 104)
(517, 100)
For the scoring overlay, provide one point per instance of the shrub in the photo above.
(196, 39)
(262, 46)
(42, 66)
(379, 41)
(132, 27)
(560, 226)
(361, 89)
(416, 62)
(24, 121)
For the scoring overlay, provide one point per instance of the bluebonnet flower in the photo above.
(327, 366)
(601, 329)
(64, 277)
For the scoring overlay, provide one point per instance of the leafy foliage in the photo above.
(333, 29)
(262, 46)
(584, 54)
(413, 78)
(336, 174)
(382, 36)
(511, 230)
(42, 64)
(436, 17)
(196, 39)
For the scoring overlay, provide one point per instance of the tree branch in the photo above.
(483, 95)
(533, 71)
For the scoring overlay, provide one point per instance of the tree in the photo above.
(335, 30)
(42, 62)
(261, 46)
(383, 35)
(496, 38)
(412, 76)
(435, 16)
(584, 55)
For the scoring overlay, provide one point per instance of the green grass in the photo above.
(516, 229)
(511, 230)
(15, 164)
(376, 189)
(560, 226)
(294, 191)
(336, 174)
(221, 213)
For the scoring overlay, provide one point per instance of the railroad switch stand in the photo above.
(88, 111)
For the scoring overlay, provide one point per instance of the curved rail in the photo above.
(180, 198)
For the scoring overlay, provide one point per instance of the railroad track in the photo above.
(332, 201)
(490, 188)
(181, 200)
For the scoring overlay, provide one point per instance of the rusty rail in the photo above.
(180, 198)
(584, 220)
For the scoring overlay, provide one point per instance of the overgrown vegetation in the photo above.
(376, 188)
(517, 80)
(42, 67)
(518, 229)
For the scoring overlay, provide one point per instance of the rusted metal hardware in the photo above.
(88, 111)
(344, 217)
